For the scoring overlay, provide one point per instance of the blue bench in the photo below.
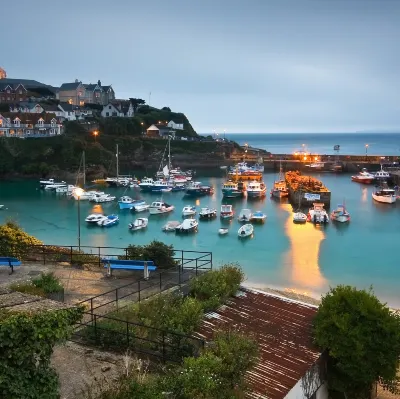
(145, 265)
(10, 262)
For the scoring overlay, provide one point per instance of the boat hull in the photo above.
(207, 216)
(390, 199)
(226, 215)
(279, 194)
(341, 218)
(256, 194)
(157, 211)
(362, 180)
(231, 193)
(125, 205)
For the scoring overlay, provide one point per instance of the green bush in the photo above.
(161, 254)
(49, 283)
(216, 286)
(28, 288)
(362, 338)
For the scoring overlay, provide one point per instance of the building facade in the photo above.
(121, 109)
(25, 124)
(176, 126)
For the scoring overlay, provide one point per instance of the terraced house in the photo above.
(25, 125)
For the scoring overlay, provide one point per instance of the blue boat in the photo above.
(195, 189)
(178, 187)
(111, 220)
(231, 189)
(161, 186)
(146, 184)
(126, 202)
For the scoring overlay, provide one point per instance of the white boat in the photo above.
(86, 195)
(385, 195)
(109, 221)
(44, 183)
(299, 217)
(317, 214)
(146, 184)
(256, 189)
(222, 231)
(258, 216)
(65, 189)
(101, 198)
(55, 185)
(126, 202)
(159, 207)
(171, 225)
(340, 214)
(381, 174)
(207, 213)
(226, 211)
(161, 186)
(363, 177)
(189, 210)
(139, 223)
(245, 215)
(246, 230)
(95, 218)
(1, 206)
(187, 226)
(140, 207)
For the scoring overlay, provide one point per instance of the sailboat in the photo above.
(280, 189)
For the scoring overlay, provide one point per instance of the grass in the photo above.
(47, 283)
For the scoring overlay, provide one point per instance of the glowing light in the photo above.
(316, 158)
(305, 158)
(78, 192)
(95, 133)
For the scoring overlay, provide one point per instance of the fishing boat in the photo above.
(280, 190)
(171, 226)
(138, 224)
(94, 218)
(316, 166)
(139, 206)
(160, 207)
(161, 186)
(223, 230)
(101, 198)
(299, 217)
(54, 185)
(363, 177)
(207, 213)
(385, 195)
(232, 189)
(196, 189)
(246, 230)
(188, 210)
(258, 216)
(317, 214)
(226, 211)
(178, 187)
(125, 202)
(187, 226)
(381, 174)
(146, 184)
(256, 189)
(67, 189)
(245, 215)
(109, 221)
(340, 214)
(242, 167)
(85, 195)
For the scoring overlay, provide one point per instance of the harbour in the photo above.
(306, 258)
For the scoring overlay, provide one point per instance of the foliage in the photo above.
(15, 242)
(26, 344)
(216, 286)
(28, 288)
(161, 254)
(136, 102)
(362, 337)
(168, 109)
(48, 282)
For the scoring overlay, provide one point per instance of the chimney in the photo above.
(99, 83)
(76, 80)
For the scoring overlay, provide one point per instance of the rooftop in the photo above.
(283, 329)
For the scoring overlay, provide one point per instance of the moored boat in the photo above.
(170, 226)
(110, 220)
(196, 189)
(340, 214)
(245, 215)
(207, 213)
(140, 206)
(317, 214)
(382, 174)
(256, 189)
(187, 226)
(232, 189)
(160, 207)
(280, 189)
(189, 210)
(246, 230)
(138, 224)
(161, 186)
(385, 195)
(258, 216)
(94, 218)
(299, 217)
(363, 177)
(125, 202)
(146, 184)
(101, 198)
(223, 230)
(226, 211)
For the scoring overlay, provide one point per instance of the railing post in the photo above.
(99, 257)
(126, 253)
(181, 259)
(139, 289)
(91, 308)
(70, 255)
(179, 277)
(211, 260)
(95, 328)
(196, 266)
(116, 296)
(160, 282)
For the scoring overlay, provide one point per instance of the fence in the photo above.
(119, 335)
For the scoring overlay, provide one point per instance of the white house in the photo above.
(68, 111)
(122, 109)
(175, 126)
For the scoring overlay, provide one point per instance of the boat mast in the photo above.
(117, 164)
(169, 153)
(84, 169)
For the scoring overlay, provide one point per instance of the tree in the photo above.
(136, 102)
(362, 338)
(168, 109)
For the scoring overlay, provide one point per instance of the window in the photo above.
(20, 92)
(70, 101)
(97, 94)
(53, 122)
(107, 114)
(17, 122)
(40, 122)
(109, 107)
(81, 103)
(1, 122)
(8, 91)
(8, 99)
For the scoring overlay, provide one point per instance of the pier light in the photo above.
(316, 158)
(78, 192)
(366, 151)
(95, 134)
(305, 158)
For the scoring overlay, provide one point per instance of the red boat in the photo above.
(363, 177)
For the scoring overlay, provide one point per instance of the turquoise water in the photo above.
(301, 257)
(323, 143)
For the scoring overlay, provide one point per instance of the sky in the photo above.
(254, 66)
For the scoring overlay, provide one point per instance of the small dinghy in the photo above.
(188, 210)
(95, 218)
(1, 206)
(139, 223)
(299, 217)
(222, 231)
(187, 226)
(340, 214)
(258, 216)
(246, 230)
(171, 226)
(245, 215)
(109, 221)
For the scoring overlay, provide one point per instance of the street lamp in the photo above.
(366, 151)
(95, 134)
(142, 128)
(78, 193)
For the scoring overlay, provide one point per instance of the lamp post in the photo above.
(78, 193)
(366, 152)
(95, 134)
(142, 128)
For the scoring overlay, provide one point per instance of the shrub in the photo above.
(161, 254)
(49, 283)
(362, 338)
(15, 242)
(28, 288)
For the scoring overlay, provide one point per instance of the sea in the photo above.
(383, 144)
(307, 259)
